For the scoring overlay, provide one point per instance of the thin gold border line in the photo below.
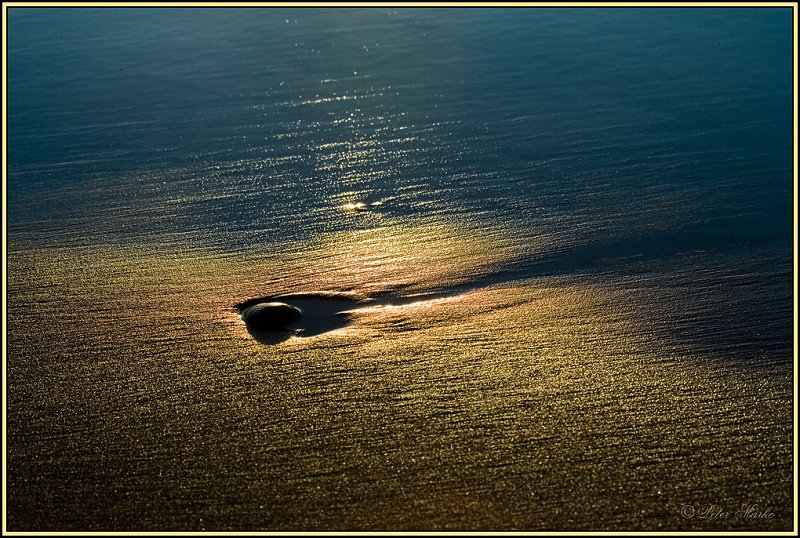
(5, 263)
(401, 4)
(794, 249)
(399, 533)
(6, 5)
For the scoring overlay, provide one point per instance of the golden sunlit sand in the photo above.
(536, 404)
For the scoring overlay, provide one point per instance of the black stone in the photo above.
(270, 316)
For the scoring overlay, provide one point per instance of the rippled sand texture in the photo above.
(568, 234)
(141, 402)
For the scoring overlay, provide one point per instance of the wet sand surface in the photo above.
(543, 258)
(141, 401)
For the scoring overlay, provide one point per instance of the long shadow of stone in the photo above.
(323, 312)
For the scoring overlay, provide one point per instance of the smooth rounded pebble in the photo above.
(270, 316)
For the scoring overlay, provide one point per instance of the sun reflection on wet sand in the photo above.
(355, 206)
